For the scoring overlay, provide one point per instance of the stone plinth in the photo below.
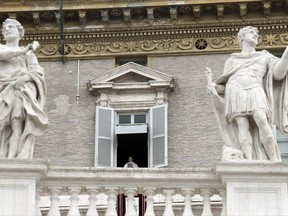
(255, 188)
(18, 185)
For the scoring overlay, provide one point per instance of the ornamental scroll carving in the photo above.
(184, 45)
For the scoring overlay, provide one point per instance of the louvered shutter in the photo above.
(104, 136)
(158, 136)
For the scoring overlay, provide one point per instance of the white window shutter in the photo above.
(158, 136)
(104, 136)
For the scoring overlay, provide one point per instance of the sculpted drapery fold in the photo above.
(22, 95)
(274, 91)
(249, 98)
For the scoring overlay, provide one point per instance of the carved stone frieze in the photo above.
(82, 18)
(267, 8)
(36, 18)
(127, 15)
(150, 14)
(173, 13)
(243, 10)
(154, 46)
(197, 11)
(145, 27)
(12, 15)
(105, 16)
(220, 11)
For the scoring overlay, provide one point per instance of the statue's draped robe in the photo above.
(30, 98)
(277, 97)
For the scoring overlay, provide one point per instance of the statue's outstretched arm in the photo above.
(6, 54)
(281, 68)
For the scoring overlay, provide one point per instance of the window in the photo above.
(140, 118)
(139, 60)
(282, 140)
(130, 123)
(124, 119)
(150, 127)
(132, 118)
(131, 114)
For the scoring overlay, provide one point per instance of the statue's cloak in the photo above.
(31, 97)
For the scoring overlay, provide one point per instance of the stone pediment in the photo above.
(131, 86)
(132, 76)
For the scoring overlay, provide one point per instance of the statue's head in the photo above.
(14, 22)
(248, 30)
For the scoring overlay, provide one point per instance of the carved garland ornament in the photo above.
(155, 46)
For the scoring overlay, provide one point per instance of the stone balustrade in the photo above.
(34, 187)
(164, 191)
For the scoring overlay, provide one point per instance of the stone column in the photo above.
(54, 207)
(149, 193)
(130, 193)
(92, 210)
(39, 190)
(112, 199)
(254, 187)
(206, 194)
(222, 193)
(168, 193)
(18, 185)
(188, 193)
(74, 209)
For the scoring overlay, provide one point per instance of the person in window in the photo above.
(130, 163)
(250, 96)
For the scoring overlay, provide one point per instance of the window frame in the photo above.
(152, 135)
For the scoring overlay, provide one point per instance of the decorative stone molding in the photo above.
(152, 46)
(36, 18)
(243, 10)
(220, 11)
(137, 27)
(131, 86)
(267, 8)
(82, 18)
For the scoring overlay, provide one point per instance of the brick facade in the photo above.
(193, 133)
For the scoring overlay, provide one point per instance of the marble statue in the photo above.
(250, 97)
(231, 154)
(22, 94)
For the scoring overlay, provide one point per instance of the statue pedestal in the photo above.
(18, 180)
(255, 188)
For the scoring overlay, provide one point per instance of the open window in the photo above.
(131, 131)
(104, 134)
(149, 145)
(137, 60)
(158, 136)
(282, 140)
(131, 116)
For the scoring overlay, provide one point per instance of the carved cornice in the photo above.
(146, 27)
(193, 41)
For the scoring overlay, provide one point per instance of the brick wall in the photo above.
(193, 132)
(69, 139)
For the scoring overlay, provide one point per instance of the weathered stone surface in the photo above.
(22, 94)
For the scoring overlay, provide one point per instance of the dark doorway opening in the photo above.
(132, 145)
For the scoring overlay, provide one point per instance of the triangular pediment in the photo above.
(131, 72)
(131, 77)
(131, 86)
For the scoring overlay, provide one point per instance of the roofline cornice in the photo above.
(95, 28)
